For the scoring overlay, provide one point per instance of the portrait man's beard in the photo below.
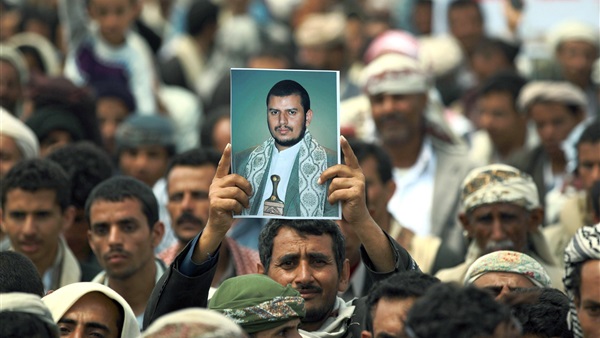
(290, 142)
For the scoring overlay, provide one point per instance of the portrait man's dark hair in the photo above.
(290, 87)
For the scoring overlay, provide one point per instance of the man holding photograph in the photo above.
(284, 169)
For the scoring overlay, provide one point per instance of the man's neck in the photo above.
(46, 262)
(407, 154)
(518, 142)
(136, 289)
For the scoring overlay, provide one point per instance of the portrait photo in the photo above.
(284, 133)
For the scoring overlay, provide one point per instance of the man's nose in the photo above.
(498, 233)
(29, 227)
(114, 235)
(503, 292)
(283, 119)
(304, 273)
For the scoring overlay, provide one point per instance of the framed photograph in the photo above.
(285, 132)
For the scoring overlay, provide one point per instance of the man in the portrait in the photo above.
(284, 170)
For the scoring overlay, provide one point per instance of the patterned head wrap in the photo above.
(499, 183)
(509, 261)
(28, 303)
(257, 303)
(584, 246)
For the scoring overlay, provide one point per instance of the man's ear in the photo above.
(157, 232)
(68, 217)
(345, 276)
(464, 220)
(260, 268)
(309, 115)
(536, 218)
(365, 334)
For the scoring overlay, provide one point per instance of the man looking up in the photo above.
(308, 254)
(290, 144)
(124, 231)
(501, 211)
(35, 210)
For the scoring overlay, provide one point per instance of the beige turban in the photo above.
(192, 323)
(61, 300)
(551, 91)
(24, 137)
(499, 183)
(395, 74)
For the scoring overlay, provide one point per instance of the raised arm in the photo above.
(348, 187)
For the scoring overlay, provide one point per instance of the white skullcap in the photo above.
(573, 31)
(440, 54)
(24, 137)
(551, 91)
(321, 30)
(395, 74)
(194, 322)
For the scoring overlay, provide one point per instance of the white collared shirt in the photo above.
(412, 202)
(282, 163)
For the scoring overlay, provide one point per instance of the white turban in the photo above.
(28, 303)
(551, 91)
(194, 322)
(61, 300)
(573, 31)
(395, 74)
(24, 137)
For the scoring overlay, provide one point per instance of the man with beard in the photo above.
(124, 231)
(501, 211)
(426, 159)
(188, 177)
(280, 185)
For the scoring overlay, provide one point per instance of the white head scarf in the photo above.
(24, 137)
(194, 322)
(28, 303)
(61, 300)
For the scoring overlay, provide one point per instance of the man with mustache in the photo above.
(124, 231)
(289, 162)
(36, 208)
(188, 177)
(426, 159)
(307, 254)
(501, 211)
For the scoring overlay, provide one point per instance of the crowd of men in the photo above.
(469, 186)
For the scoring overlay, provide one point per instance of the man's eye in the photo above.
(593, 310)
(100, 230)
(64, 330)
(129, 227)
(17, 215)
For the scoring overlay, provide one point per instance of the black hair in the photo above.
(541, 311)
(86, 166)
(317, 227)
(120, 188)
(18, 274)
(37, 174)
(591, 133)
(290, 87)
(201, 13)
(22, 324)
(490, 45)
(194, 158)
(207, 132)
(364, 150)
(504, 82)
(401, 285)
(43, 14)
(457, 4)
(449, 310)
